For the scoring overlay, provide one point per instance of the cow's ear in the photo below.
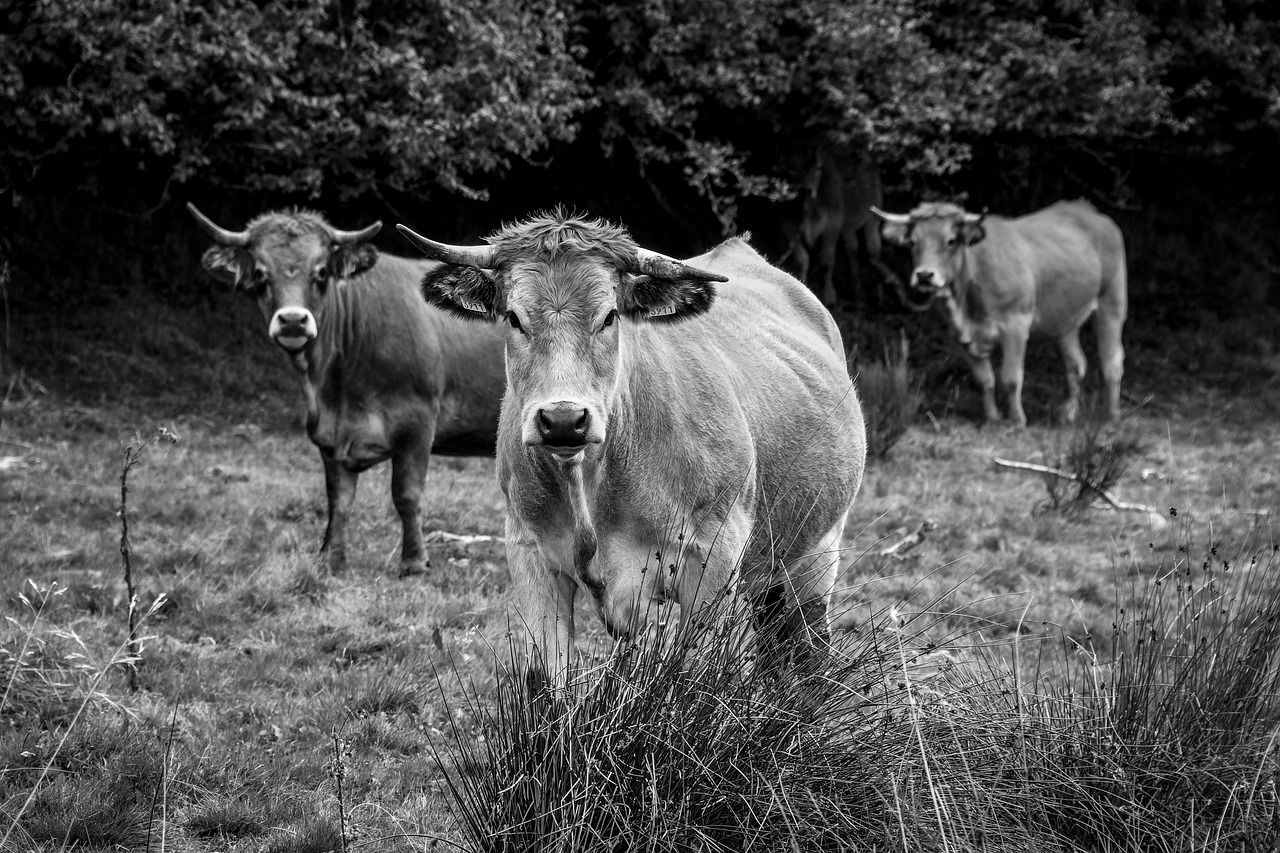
(465, 291)
(972, 233)
(897, 232)
(664, 300)
(348, 261)
(227, 263)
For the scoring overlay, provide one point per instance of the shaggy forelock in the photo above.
(936, 210)
(288, 223)
(557, 232)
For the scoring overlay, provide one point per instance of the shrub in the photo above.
(1095, 457)
(890, 396)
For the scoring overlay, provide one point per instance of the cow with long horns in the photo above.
(1000, 281)
(661, 437)
(384, 376)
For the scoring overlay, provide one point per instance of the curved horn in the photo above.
(219, 234)
(975, 218)
(343, 238)
(661, 266)
(899, 218)
(481, 257)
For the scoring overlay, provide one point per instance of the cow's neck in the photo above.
(578, 482)
(334, 323)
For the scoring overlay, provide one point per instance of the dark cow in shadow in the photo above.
(384, 375)
(836, 200)
(1000, 281)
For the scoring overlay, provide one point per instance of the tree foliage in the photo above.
(349, 97)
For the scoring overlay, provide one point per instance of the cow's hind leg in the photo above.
(1107, 324)
(408, 478)
(1073, 363)
(340, 489)
(811, 578)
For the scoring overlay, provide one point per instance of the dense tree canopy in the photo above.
(358, 94)
(345, 99)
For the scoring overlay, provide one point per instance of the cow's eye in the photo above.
(608, 319)
(514, 321)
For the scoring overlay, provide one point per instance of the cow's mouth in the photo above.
(292, 343)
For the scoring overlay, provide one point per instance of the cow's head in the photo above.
(288, 262)
(938, 234)
(564, 287)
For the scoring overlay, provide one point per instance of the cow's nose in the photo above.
(924, 278)
(563, 425)
(292, 320)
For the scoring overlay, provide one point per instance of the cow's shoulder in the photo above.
(764, 291)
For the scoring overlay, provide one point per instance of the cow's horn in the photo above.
(347, 237)
(661, 266)
(219, 234)
(899, 218)
(975, 218)
(481, 257)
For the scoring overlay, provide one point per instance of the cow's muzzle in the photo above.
(292, 328)
(927, 279)
(563, 426)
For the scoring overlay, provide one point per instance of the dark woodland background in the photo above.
(683, 119)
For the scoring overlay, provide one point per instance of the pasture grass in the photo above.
(257, 656)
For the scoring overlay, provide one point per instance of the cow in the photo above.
(384, 376)
(1000, 281)
(661, 438)
(837, 197)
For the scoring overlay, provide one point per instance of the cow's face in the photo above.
(938, 239)
(565, 343)
(289, 272)
(937, 250)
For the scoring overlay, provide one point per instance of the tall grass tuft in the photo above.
(905, 739)
(890, 397)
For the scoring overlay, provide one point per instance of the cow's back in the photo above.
(767, 362)
(1068, 253)
(389, 351)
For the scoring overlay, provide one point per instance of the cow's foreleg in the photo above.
(543, 596)
(1074, 365)
(986, 380)
(1012, 359)
(408, 476)
(340, 488)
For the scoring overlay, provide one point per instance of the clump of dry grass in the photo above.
(890, 396)
(905, 740)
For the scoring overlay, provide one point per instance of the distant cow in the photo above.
(837, 197)
(660, 435)
(1002, 280)
(384, 375)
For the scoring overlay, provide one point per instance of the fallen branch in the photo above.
(1111, 499)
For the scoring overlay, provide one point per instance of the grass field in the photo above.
(282, 708)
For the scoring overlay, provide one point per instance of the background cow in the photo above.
(1001, 280)
(660, 434)
(837, 197)
(384, 376)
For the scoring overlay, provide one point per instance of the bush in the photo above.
(1095, 457)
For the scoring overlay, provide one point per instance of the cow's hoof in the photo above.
(409, 568)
